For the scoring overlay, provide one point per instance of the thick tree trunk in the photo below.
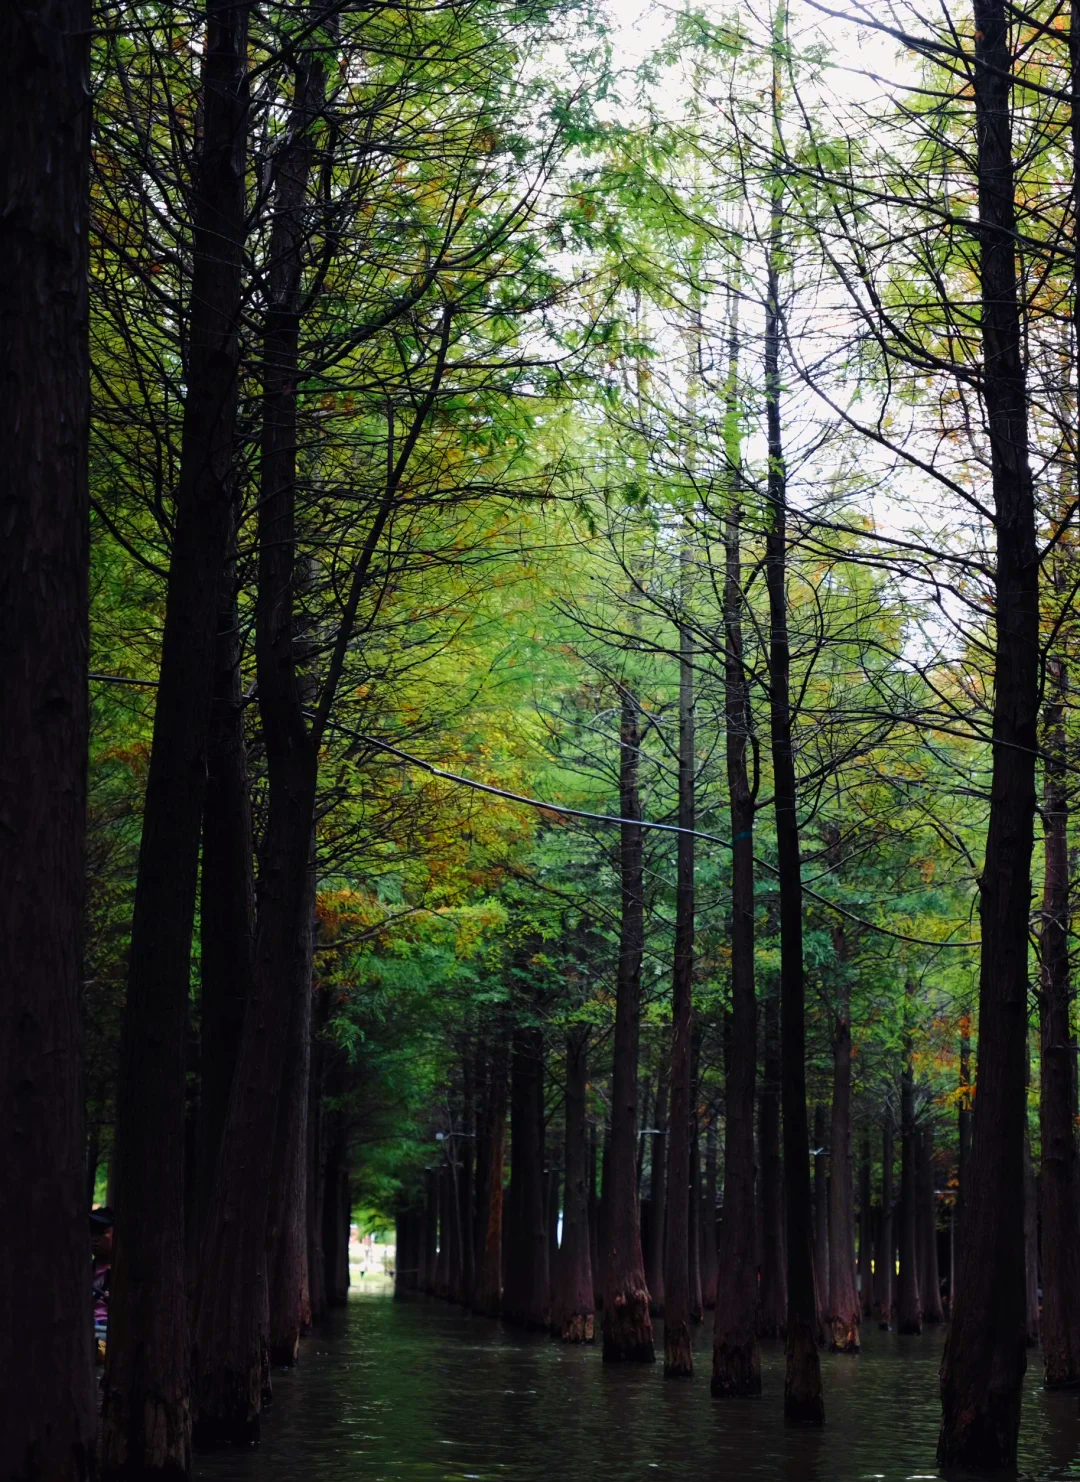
(772, 1315)
(146, 1421)
(627, 1328)
(682, 1189)
(227, 895)
(47, 1423)
(982, 1372)
(654, 1257)
(708, 1222)
(488, 1278)
(1060, 1191)
(884, 1269)
(929, 1274)
(963, 1165)
(337, 1216)
(736, 1359)
(573, 1315)
(908, 1299)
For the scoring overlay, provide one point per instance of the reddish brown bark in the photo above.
(627, 1327)
(47, 1424)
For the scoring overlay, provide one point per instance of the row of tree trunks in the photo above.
(526, 1280)
(146, 1426)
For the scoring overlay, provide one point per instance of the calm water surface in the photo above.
(416, 1392)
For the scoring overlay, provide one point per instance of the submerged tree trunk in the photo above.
(146, 1422)
(1060, 1193)
(982, 1372)
(772, 1314)
(573, 1316)
(47, 1422)
(626, 1325)
(682, 1188)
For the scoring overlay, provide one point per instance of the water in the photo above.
(415, 1391)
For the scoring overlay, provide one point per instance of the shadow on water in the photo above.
(416, 1392)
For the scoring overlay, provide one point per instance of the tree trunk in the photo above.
(963, 1168)
(707, 1222)
(1031, 1247)
(488, 1278)
(627, 1328)
(736, 1359)
(227, 898)
(866, 1242)
(803, 1402)
(845, 1309)
(573, 1316)
(884, 1269)
(232, 1316)
(467, 1179)
(821, 1221)
(430, 1244)
(697, 1301)
(682, 1189)
(929, 1275)
(146, 1420)
(526, 1295)
(442, 1203)
(594, 1214)
(982, 1372)
(772, 1316)
(1060, 1192)
(289, 1289)
(316, 1157)
(908, 1302)
(47, 1421)
(654, 1267)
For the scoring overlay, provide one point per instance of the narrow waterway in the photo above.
(415, 1391)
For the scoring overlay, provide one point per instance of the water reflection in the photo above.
(415, 1392)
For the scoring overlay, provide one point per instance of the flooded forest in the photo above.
(537, 621)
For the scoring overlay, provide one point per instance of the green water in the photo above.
(415, 1391)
